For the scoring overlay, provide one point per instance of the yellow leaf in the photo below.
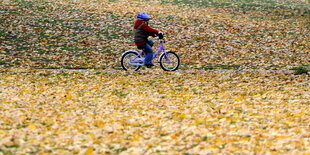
(89, 151)
(31, 126)
(239, 98)
(97, 141)
(69, 96)
(99, 123)
(49, 121)
(182, 115)
(269, 143)
(218, 141)
(92, 135)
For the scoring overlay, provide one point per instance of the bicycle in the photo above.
(134, 60)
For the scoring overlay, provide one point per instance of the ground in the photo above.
(62, 90)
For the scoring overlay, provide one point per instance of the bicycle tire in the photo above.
(170, 55)
(123, 61)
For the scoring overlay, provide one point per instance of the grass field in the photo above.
(215, 34)
(243, 86)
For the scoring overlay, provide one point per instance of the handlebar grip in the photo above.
(160, 35)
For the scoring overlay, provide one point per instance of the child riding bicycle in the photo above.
(142, 32)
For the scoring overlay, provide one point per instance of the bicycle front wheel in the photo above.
(125, 61)
(169, 61)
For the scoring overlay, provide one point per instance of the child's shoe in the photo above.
(149, 65)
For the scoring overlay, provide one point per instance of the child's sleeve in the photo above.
(147, 28)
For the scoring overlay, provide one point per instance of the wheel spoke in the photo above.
(126, 61)
(169, 62)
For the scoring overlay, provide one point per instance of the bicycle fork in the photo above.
(166, 56)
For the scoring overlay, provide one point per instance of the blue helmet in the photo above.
(144, 16)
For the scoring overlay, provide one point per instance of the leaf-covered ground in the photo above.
(148, 112)
(206, 34)
(252, 110)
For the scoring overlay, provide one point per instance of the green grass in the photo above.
(300, 70)
(220, 66)
(54, 35)
(11, 146)
(41, 28)
(273, 9)
(245, 5)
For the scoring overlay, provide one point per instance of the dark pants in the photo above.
(147, 48)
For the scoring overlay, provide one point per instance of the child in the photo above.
(142, 32)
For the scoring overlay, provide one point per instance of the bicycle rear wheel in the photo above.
(169, 61)
(125, 61)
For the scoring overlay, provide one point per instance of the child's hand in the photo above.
(160, 35)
